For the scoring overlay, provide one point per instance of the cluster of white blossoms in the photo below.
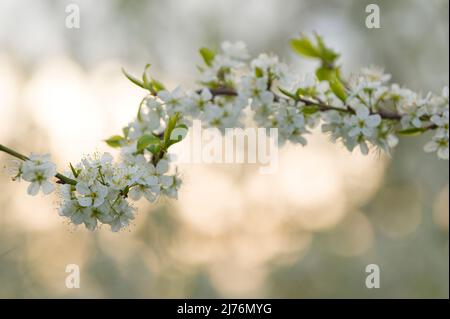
(103, 188)
(364, 111)
(97, 190)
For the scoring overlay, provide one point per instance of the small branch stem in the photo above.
(62, 179)
(13, 152)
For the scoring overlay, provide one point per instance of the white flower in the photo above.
(213, 115)
(445, 93)
(265, 62)
(94, 168)
(125, 175)
(156, 113)
(37, 170)
(225, 63)
(136, 129)
(438, 145)
(256, 89)
(413, 118)
(334, 124)
(291, 124)
(412, 109)
(175, 101)
(149, 192)
(170, 185)
(209, 75)
(15, 169)
(162, 167)
(398, 93)
(148, 185)
(236, 50)
(362, 123)
(375, 74)
(441, 121)
(385, 137)
(121, 215)
(311, 86)
(199, 102)
(363, 146)
(74, 211)
(93, 195)
(270, 65)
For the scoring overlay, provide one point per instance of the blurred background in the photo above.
(307, 231)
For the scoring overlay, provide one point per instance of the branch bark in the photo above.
(62, 179)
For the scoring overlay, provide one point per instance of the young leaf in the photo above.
(338, 89)
(74, 171)
(326, 54)
(411, 131)
(157, 86)
(114, 141)
(171, 124)
(178, 134)
(147, 140)
(303, 46)
(207, 55)
(145, 80)
(309, 109)
(133, 79)
(305, 92)
(288, 94)
(333, 78)
(259, 73)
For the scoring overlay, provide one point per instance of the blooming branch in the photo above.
(362, 111)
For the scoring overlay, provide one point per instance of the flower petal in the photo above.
(430, 147)
(362, 111)
(33, 188)
(47, 187)
(373, 120)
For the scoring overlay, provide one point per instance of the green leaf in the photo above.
(333, 78)
(147, 140)
(309, 109)
(412, 131)
(303, 46)
(338, 89)
(114, 141)
(145, 80)
(133, 79)
(306, 92)
(152, 85)
(207, 55)
(75, 172)
(326, 54)
(157, 86)
(171, 124)
(178, 134)
(259, 73)
(154, 148)
(288, 94)
(324, 74)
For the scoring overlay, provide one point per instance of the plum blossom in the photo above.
(362, 123)
(38, 170)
